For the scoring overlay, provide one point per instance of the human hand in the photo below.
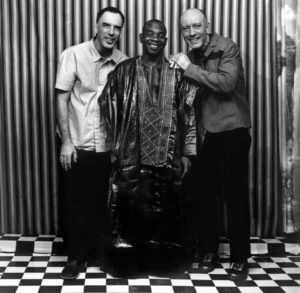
(181, 60)
(67, 152)
(113, 159)
(172, 63)
(186, 165)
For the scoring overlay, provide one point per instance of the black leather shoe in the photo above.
(209, 262)
(238, 271)
(72, 270)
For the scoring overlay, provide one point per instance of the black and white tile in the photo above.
(29, 265)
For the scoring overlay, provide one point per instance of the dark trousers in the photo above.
(224, 171)
(83, 211)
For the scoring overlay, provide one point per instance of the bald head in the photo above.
(192, 12)
(194, 25)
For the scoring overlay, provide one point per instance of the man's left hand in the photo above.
(186, 165)
(181, 60)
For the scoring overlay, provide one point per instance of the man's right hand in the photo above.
(67, 153)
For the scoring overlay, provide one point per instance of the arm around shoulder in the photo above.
(222, 72)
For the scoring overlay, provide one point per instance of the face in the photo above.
(109, 28)
(194, 27)
(153, 38)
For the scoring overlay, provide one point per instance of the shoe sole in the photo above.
(69, 278)
(206, 271)
(231, 278)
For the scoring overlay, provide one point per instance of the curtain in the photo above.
(35, 32)
(289, 108)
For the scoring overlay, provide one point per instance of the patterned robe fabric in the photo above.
(148, 134)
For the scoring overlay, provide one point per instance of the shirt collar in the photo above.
(163, 60)
(114, 57)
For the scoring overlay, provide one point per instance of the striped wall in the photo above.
(35, 32)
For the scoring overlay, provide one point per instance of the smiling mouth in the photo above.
(154, 46)
(110, 41)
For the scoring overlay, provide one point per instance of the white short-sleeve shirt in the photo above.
(83, 71)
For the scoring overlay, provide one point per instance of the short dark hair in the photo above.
(112, 10)
(147, 23)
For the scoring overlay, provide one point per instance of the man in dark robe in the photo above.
(148, 109)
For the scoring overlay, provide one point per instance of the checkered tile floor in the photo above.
(34, 272)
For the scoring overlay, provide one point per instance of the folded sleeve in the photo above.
(66, 71)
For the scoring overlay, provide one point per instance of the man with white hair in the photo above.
(214, 63)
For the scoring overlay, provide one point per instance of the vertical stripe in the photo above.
(51, 60)
(89, 19)
(27, 185)
(131, 28)
(260, 130)
(216, 20)
(158, 9)
(16, 113)
(124, 37)
(175, 35)
(251, 85)
(226, 16)
(34, 119)
(167, 9)
(8, 142)
(235, 11)
(3, 163)
(268, 115)
(140, 22)
(277, 213)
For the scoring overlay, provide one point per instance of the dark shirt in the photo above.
(152, 74)
(124, 99)
(219, 71)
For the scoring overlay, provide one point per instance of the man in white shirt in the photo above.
(84, 157)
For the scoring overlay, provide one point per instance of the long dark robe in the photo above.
(148, 135)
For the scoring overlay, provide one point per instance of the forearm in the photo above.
(224, 82)
(63, 115)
